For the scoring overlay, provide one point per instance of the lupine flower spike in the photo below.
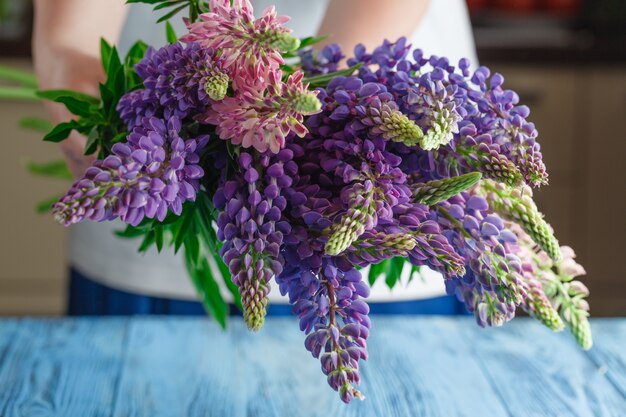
(409, 156)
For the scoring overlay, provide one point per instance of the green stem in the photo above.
(319, 80)
(18, 93)
(25, 78)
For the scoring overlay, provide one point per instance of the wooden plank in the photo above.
(63, 368)
(8, 329)
(188, 367)
(282, 378)
(180, 367)
(609, 350)
(418, 367)
(422, 366)
(539, 373)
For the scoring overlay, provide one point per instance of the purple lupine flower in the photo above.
(493, 286)
(328, 302)
(459, 99)
(366, 109)
(252, 228)
(153, 172)
(178, 81)
(324, 62)
(500, 115)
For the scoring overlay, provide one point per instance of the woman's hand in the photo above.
(66, 45)
(75, 71)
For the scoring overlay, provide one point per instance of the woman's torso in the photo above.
(97, 253)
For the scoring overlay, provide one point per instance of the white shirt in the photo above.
(97, 253)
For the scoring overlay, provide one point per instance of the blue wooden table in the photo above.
(418, 367)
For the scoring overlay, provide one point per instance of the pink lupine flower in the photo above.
(262, 121)
(244, 41)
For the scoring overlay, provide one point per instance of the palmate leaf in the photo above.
(98, 118)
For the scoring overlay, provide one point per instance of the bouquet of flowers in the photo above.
(255, 155)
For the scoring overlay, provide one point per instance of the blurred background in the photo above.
(565, 58)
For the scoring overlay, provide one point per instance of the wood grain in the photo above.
(61, 368)
(609, 350)
(425, 366)
(540, 373)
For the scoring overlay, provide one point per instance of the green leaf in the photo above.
(311, 40)
(206, 286)
(170, 34)
(61, 131)
(119, 137)
(92, 141)
(158, 237)
(17, 93)
(145, 1)
(136, 53)
(45, 206)
(376, 270)
(58, 95)
(204, 217)
(181, 232)
(114, 64)
(226, 277)
(54, 169)
(167, 3)
(147, 242)
(76, 102)
(322, 80)
(105, 53)
(131, 232)
(415, 271)
(36, 123)
(109, 102)
(192, 245)
(167, 16)
(91, 146)
(394, 272)
(117, 84)
(23, 77)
